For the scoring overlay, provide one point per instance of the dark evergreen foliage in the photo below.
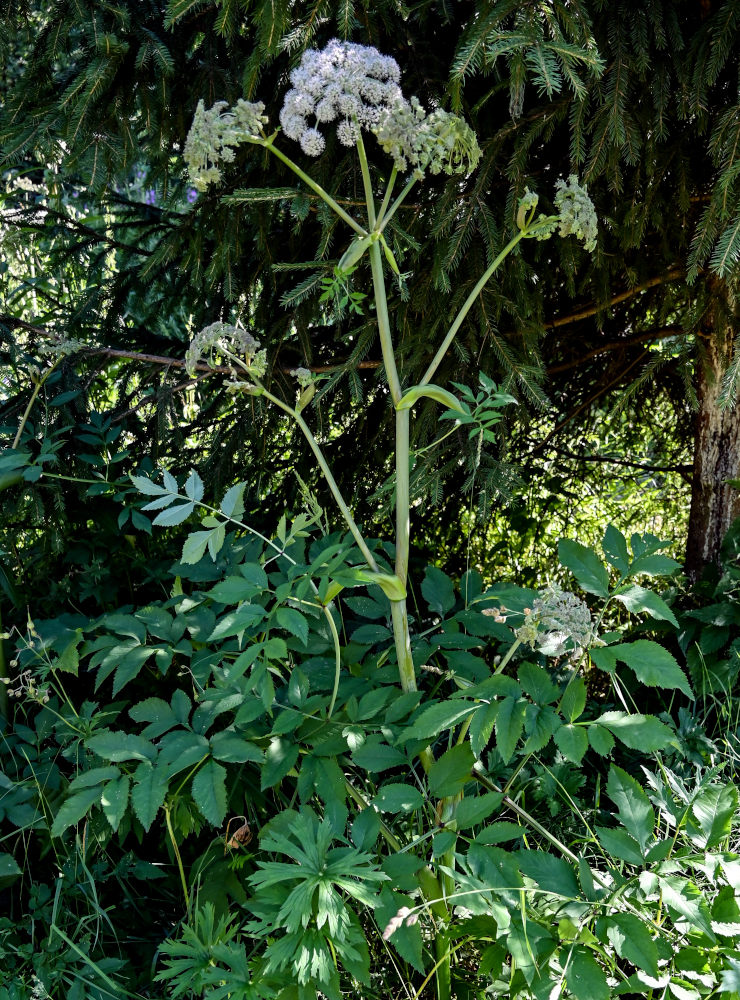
(641, 102)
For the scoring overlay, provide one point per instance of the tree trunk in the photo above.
(714, 505)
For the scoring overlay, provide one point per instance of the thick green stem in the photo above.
(324, 195)
(444, 965)
(316, 449)
(384, 325)
(403, 503)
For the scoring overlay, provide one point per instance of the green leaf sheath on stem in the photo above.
(435, 392)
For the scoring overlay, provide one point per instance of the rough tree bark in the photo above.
(714, 504)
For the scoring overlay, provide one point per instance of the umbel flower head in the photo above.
(344, 81)
(440, 142)
(217, 341)
(215, 133)
(358, 86)
(556, 618)
(576, 213)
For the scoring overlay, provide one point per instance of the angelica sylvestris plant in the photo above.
(356, 89)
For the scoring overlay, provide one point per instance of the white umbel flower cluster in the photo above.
(358, 86)
(345, 81)
(556, 618)
(217, 341)
(215, 133)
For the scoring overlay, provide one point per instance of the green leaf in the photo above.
(615, 549)
(294, 622)
(619, 844)
(438, 590)
(601, 740)
(391, 584)
(654, 565)
(148, 793)
(452, 771)
(280, 757)
(652, 665)
(73, 809)
(573, 702)
(633, 805)
(473, 809)
(194, 486)
(234, 590)
(396, 798)
(637, 598)
(237, 621)
(431, 392)
(638, 732)
(572, 742)
(438, 718)
(9, 866)
(376, 757)
(96, 776)
(234, 749)
(232, 504)
(209, 792)
(406, 940)
(157, 713)
(683, 897)
(549, 872)
(482, 726)
(713, 810)
(194, 547)
(121, 746)
(586, 979)
(585, 566)
(69, 659)
(509, 725)
(130, 664)
(540, 722)
(114, 800)
(174, 515)
(147, 487)
(632, 941)
(537, 684)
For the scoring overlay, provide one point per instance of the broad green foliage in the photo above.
(347, 828)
